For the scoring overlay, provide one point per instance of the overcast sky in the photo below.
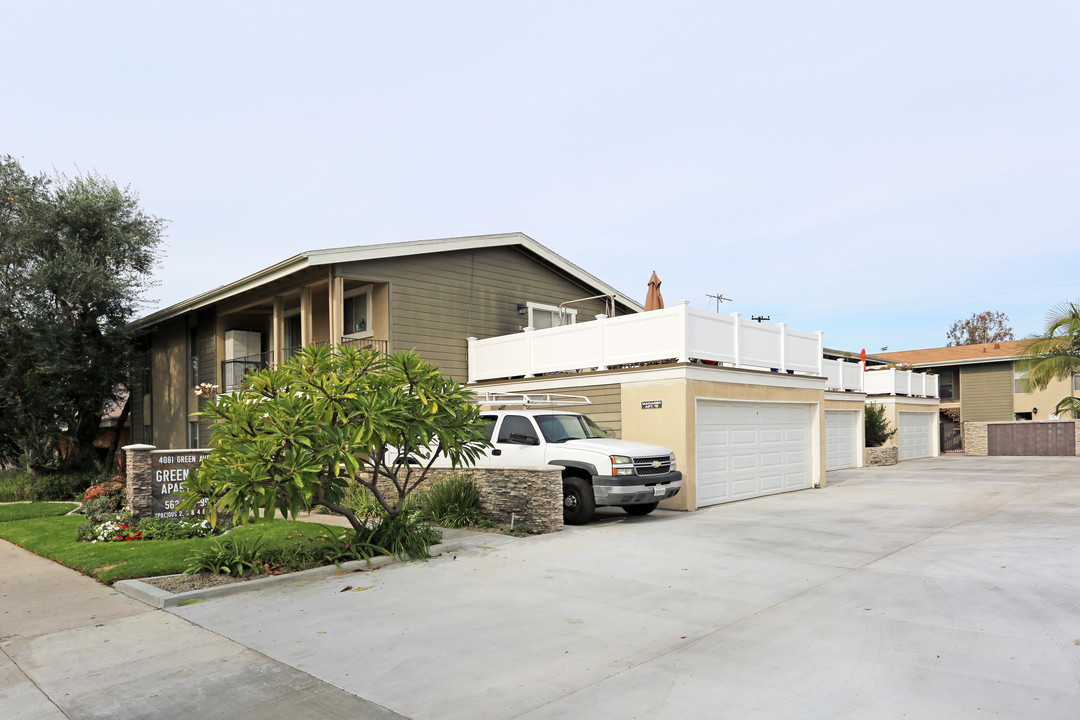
(875, 170)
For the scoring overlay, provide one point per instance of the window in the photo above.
(945, 384)
(358, 313)
(1020, 382)
(1076, 382)
(193, 357)
(293, 338)
(193, 435)
(546, 316)
(560, 428)
(518, 430)
(489, 425)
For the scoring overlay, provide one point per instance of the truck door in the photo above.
(517, 443)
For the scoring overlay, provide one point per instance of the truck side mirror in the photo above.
(520, 439)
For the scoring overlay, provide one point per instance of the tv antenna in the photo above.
(719, 298)
(760, 318)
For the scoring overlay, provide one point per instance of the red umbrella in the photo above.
(654, 300)
(862, 356)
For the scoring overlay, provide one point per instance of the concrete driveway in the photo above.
(945, 588)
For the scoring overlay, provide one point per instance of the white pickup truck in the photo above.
(597, 470)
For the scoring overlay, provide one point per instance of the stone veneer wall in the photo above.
(887, 455)
(975, 442)
(533, 495)
(138, 491)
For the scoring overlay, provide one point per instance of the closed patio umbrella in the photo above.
(654, 300)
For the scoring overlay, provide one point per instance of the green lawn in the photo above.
(54, 538)
(23, 511)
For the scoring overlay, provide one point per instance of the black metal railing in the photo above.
(234, 370)
(363, 343)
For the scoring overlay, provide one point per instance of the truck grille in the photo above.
(652, 465)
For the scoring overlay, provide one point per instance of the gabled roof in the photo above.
(960, 354)
(358, 253)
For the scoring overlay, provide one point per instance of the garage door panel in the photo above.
(915, 436)
(841, 439)
(768, 449)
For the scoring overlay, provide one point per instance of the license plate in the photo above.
(659, 490)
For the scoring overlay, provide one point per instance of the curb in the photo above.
(162, 599)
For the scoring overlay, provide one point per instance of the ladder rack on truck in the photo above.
(524, 400)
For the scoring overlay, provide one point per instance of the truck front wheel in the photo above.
(578, 501)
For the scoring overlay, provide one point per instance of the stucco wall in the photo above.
(675, 424)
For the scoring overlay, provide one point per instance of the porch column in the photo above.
(337, 308)
(277, 331)
(305, 316)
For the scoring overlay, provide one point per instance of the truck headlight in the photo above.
(672, 461)
(621, 465)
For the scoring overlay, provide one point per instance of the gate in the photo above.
(1028, 438)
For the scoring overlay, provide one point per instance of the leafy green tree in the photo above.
(876, 426)
(986, 327)
(1055, 353)
(299, 435)
(78, 253)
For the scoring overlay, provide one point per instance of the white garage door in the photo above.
(747, 450)
(841, 439)
(916, 435)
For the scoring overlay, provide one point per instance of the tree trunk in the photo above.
(110, 460)
(82, 455)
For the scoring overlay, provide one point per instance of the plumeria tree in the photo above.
(1055, 353)
(299, 435)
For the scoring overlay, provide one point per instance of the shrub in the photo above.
(110, 488)
(403, 535)
(227, 557)
(452, 503)
(331, 547)
(99, 527)
(16, 485)
(876, 427)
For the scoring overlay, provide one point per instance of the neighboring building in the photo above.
(981, 383)
(427, 296)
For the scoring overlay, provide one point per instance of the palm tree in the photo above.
(1055, 353)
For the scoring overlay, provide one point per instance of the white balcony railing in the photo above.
(843, 376)
(900, 382)
(679, 333)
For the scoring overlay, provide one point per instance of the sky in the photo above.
(873, 170)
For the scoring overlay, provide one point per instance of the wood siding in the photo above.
(438, 300)
(986, 392)
(208, 365)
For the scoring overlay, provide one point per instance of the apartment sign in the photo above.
(652, 404)
(168, 471)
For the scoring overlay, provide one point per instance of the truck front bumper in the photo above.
(635, 489)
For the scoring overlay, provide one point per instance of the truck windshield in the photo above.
(560, 428)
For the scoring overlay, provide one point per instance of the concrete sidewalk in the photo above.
(73, 648)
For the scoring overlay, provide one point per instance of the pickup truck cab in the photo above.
(597, 470)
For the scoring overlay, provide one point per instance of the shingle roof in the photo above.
(961, 354)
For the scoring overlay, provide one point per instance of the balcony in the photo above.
(233, 371)
(900, 382)
(366, 343)
(676, 334)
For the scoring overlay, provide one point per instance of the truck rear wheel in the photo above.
(578, 501)
(643, 509)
